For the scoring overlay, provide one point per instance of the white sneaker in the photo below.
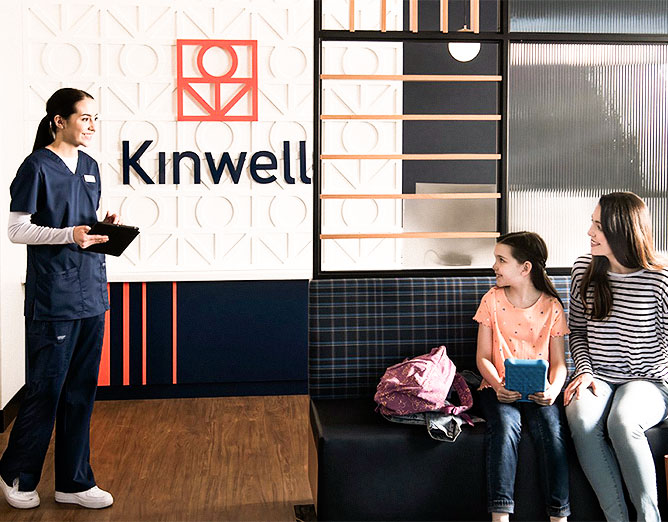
(19, 499)
(93, 498)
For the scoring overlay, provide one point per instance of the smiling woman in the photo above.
(55, 197)
(619, 327)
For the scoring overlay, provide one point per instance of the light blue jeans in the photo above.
(625, 412)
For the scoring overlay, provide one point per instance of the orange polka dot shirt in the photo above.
(520, 333)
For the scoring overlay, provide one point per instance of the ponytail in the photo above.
(61, 103)
(542, 282)
(45, 135)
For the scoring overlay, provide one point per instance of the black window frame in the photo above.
(504, 38)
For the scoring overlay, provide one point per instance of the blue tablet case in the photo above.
(526, 376)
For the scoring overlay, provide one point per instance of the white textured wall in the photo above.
(124, 53)
(12, 257)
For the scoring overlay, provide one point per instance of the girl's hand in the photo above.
(578, 386)
(507, 396)
(113, 219)
(84, 240)
(547, 397)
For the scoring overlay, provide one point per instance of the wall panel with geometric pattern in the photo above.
(125, 54)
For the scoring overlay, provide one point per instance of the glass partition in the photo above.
(589, 16)
(583, 120)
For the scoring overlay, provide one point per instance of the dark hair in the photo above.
(627, 227)
(529, 246)
(61, 103)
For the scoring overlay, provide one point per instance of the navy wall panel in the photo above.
(232, 338)
(238, 331)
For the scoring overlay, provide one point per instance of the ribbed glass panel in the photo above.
(583, 120)
(589, 16)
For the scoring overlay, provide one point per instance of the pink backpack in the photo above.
(422, 384)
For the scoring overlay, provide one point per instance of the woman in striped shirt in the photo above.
(619, 341)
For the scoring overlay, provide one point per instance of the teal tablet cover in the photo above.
(526, 376)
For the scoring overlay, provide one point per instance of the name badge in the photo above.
(89, 178)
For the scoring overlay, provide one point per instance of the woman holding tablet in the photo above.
(619, 341)
(55, 196)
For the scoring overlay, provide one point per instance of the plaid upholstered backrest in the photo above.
(359, 327)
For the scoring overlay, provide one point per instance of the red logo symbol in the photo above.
(227, 96)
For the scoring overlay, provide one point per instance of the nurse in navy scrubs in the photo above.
(54, 199)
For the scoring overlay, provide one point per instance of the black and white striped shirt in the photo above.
(632, 342)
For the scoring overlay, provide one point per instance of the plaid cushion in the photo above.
(359, 327)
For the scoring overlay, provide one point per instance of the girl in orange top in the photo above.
(522, 318)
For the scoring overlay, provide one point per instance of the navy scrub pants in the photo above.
(63, 366)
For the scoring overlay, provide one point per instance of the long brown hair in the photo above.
(529, 246)
(627, 227)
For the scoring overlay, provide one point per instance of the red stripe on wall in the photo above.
(174, 332)
(143, 333)
(104, 376)
(126, 334)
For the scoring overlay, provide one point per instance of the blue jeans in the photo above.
(504, 429)
(625, 412)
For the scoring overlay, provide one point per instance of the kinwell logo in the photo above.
(227, 94)
(216, 80)
(260, 165)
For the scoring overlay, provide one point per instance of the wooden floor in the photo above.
(232, 458)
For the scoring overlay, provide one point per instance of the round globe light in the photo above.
(464, 51)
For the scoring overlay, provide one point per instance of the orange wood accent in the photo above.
(475, 15)
(126, 334)
(412, 156)
(104, 376)
(410, 235)
(351, 16)
(414, 16)
(444, 16)
(416, 77)
(174, 350)
(143, 333)
(452, 195)
(413, 117)
(383, 16)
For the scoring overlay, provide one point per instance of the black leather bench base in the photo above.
(371, 469)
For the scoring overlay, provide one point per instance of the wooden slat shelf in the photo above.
(416, 77)
(451, 195)
(411, 156)
(413, 117)
(444, 16)
(411, 235)
(383, 16)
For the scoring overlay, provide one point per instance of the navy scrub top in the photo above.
(63, 282)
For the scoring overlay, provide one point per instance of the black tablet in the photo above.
(120, 236)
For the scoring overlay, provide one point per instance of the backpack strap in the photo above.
(464, 394)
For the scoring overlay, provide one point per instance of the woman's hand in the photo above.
(578, 386)
(547, 397)
(113, 219)
(84, 240)
(507, 396)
